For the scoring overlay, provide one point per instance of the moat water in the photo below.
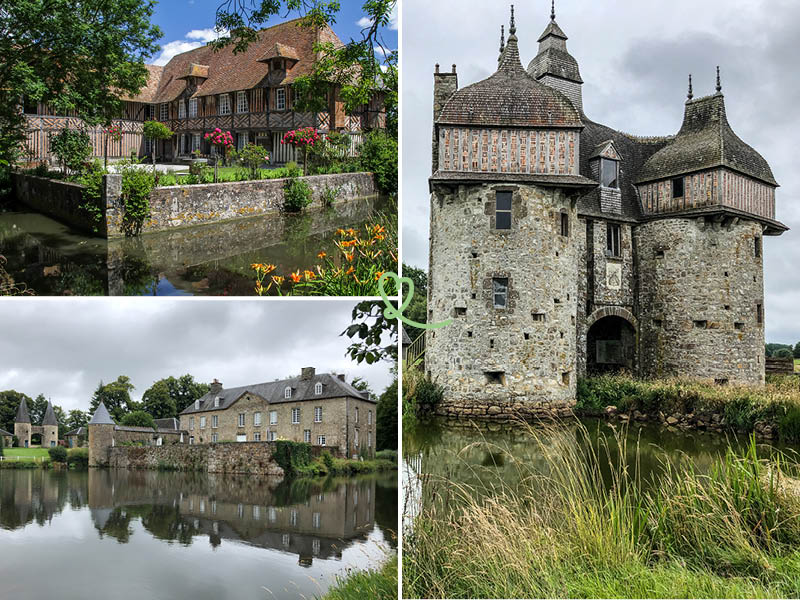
(209, 260)
(144, 534)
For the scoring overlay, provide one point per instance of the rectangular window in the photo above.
(321, 440)
(224, 104)
(307, 436)
(215, 421)
(202, 422)
(369, 439)
(241, 141)
(295, 416)
(214, 438)
(257, 436)
(273, 417)
(677, 187)
(271, 436)
(759, 314)
(757, 247)
(192, 107)
(318, 414)
(609, 173)
(316, 520)
(613, 246)
(241, 102)
(191, 422)
(500, 291)
(502, 213)
(257, 419)
(356, 414)
(195, 141)
(181, 109)
(151, 112)
(280, 99)
(164, 112)
(241, 419)
(356, 440)
(369, 417)
(565, 224)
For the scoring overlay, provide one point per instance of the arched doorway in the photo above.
(611, 342)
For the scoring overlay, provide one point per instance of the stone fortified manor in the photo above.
(24, 429)
(560, 246)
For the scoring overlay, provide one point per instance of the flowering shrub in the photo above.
(221, 140)
(304, 138)
(114, 132)
(252, 156)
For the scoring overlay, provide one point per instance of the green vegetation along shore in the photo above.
(380, 584)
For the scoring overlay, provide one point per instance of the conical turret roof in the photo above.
(101, 416)
(553, 57)
(22, 413)
(49, 415)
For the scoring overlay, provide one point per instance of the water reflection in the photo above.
(214, 259)
(251, 525)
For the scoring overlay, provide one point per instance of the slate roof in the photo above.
(273, 392)
(49, 416)
(79, 431)
(406, 338)
(229, 72)
(101, 416)
(5, 433)
(22, 413)
(167, 424)
(509, 98)
(553, 57)
(705, 141)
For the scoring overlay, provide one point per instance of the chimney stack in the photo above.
(340, 376)
(307, 373)
(215, 387)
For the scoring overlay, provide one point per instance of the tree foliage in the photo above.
(796, 351)
(116, 396)
(138, 418)
(72, 148)
(373, 330)
(158, 402)
(386, 419)
(75, 56)
(418, 308)
(76, 418)
(9, 403)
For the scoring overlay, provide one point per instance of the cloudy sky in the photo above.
(63, 348)
(635, 58)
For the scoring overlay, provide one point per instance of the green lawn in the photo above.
(26, 452)
(797, 364)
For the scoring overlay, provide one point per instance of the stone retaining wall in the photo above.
(249, 458)
(61, 200)
(504, 410)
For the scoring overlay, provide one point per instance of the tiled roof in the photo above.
(509, 98)
(705, 141)
(273, 392)
(554, 30)
(148, 92)
(280, 51)
(49, 415)
(101, 416)
(558, 63)
(22, 413)
(228, 72)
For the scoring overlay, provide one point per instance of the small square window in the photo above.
(527, 336)
(677, 187)
(701, 324)
(565, 378)
(469, 334)
(660, 254)
(503, 210)
(658, 323)
(495, 377)
(500, 292)
(738, 326)
(461, 311)
(538, 317)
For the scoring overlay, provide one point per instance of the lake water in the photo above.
(53, 259)
(145, 534)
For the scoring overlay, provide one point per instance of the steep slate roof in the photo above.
(705, 141)
(167, 424)
(228, 72)
(509, 98)
(22, 413)
(101, 416)
(273, 392)
(49, 415)
(79, 431)
(4, 433)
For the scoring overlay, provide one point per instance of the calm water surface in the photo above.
(141, 534)
(53, 259)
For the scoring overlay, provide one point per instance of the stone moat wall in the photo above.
(180, 206)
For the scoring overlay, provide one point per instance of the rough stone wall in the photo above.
(23, 433)
(535, 354)
(61, 200)
(49, 435)
(101, 439)
(700, 285)
(243, 458)
(182, 206)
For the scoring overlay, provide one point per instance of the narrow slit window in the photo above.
(503, 210)
(757, 247)
(565, 224)
(677, 187)
(613, 245)
(759, 314)
(500, 292)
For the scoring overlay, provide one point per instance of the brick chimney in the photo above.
(215, 387)
(307, 373)
(340, 376)
(444, 86)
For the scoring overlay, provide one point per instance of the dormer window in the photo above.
(197, 404)
(287, 393)
(318, 388)
(609, 173)
(216, 402)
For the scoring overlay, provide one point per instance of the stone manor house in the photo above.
(249, 94)
(561, 247)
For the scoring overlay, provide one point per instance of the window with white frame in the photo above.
(293, 518)
(316, 520)
(321, 440)
(257, 419)
(285, 539)
(215, 421)
(241, 102)
(197, 404)
(318, 388)
(295, 416)
(216, 402)
(224, 104)
(307, 436)
(214, 438)
(241, 141)
(287, 393)
(256, 512)
(202, 422)
(181, 109)
(369, 417)
(241, 419)
(272, 514)
(318, 414)
(192, 107)
(257, 436)
(280, 99)
(195, 141)
(315, 545)
(191, 440)
(191, 422)
(271, 436)
(151, 112)
(273, 417)
(164, 112)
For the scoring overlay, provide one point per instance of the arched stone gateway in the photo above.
(611, 341)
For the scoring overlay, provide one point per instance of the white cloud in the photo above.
(394, 18)
(364, 22)
(202, 36)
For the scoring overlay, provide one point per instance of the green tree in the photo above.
(782, 353)
(156, 131)
(75, 56)
(362, 385)
(796, 351)
(72, 148)
(9, 403)
(158, 402)
(138, 418)
(386, 419)
(116, 396)
(58, 454)
(377, 335)
(37, 408)
(184, 390)
(76, 418)
(418, 308)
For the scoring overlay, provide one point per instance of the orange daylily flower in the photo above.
(321, 255)
(350, 270)
(309, 274)
(295, 276)
(277, 279)
(378, 275)
(348, 256)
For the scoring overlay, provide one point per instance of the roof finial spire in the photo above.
(502, 42)
(719, 82)
(690, 95)
(553, 11)
(513, 28)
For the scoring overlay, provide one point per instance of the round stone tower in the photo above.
(22, 425)
(101, 436)
(503, 250)
(49, 428)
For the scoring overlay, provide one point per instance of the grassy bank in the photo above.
(385, 460)
(26, 453)
(379, 584)
(565, 532)
(774, 407)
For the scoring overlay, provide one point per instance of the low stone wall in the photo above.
(247, 458)
(185, 206)
(61, 200)
(512, 409)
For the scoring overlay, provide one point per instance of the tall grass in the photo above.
(568, 529)
(380, 584)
